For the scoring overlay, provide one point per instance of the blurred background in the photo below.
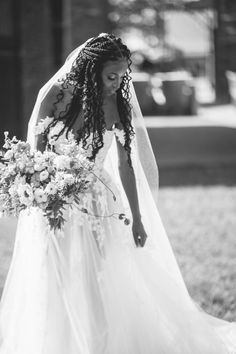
(184, 73)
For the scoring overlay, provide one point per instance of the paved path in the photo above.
(218, 116)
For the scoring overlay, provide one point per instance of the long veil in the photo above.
(32, 273)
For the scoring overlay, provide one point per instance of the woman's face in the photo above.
(113, 73)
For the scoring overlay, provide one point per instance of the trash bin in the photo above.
(143, 89)
(179, 91)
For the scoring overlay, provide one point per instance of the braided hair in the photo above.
(87, 93)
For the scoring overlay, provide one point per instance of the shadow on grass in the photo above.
(197, 175)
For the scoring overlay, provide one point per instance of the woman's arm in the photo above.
(129, 183)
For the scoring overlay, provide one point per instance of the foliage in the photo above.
(143, 14)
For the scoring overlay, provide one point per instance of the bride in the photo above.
(100, 286)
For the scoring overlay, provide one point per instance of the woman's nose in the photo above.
(117, 83)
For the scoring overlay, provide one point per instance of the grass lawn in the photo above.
(201, 224)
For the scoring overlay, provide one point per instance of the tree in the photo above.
(146, 15)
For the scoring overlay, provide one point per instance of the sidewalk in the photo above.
(203, 143)
(224, 116)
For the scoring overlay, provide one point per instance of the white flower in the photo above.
(12, 190)
(44, 175)
(39, 160)
(39, 167)
(20, 180)
(29, 168)
(9, 155)
(62, 180)
(21, 165)
(62, 162)
(52, 141)
(51, 188)
(68, 179)
(21, 188)
(49, 155)
(38, 155)
(12, 170)
(42, 125)
(40, 195)
(22, 147)
(25, 193)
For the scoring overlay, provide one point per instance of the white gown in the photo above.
(90, 290)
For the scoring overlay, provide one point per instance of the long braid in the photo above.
(87, 93)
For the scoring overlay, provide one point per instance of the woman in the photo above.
(102, 286)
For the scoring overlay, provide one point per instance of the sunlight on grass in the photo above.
(201, 225)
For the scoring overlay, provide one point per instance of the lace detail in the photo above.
(96, 200)
(119, 133)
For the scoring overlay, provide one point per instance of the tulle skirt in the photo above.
(90, 290)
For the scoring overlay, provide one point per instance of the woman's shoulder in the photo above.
(58, 88)
(56, 99)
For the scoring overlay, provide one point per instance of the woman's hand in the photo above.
(139, 233)
(129, 183)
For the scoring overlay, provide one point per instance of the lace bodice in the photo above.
(101, 155)
(107, 140)
(95, 201)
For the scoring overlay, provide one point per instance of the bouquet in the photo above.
(41, 179)
(49, 180)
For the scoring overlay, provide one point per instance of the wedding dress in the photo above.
(90, 290)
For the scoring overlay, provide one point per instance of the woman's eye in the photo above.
(114, 77)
